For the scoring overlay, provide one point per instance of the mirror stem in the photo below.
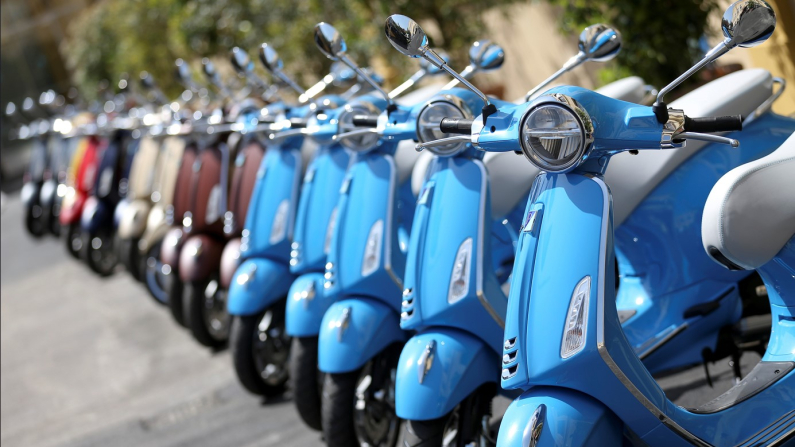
(576, 60)
(344, 58)
(415, 78)
(286, 79)
(660, 109)
(468, 71)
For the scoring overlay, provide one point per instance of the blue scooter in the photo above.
(312, 240)
(462, 234)
(256, 301)
(568, 225)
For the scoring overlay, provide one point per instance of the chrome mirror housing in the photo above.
(240, 60)
(486, 55)
(599, 43)
(406, 35)
(747, 23)
(183, 71)
(270, 58)
(331, 44)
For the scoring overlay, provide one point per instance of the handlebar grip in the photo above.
(365, 120)
(297, 123)
(714, 124)
(456, 125)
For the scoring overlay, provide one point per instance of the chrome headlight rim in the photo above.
(349, 110)
(457, 103)
(581, 116)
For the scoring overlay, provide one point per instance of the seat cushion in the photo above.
(630, 89)
(750, 213)
(632, 177)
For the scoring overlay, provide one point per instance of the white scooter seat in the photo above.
(750, 213)
(632, 177)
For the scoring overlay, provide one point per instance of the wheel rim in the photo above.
(271, 349)
(156, 279)
(102, 253)
(75, 241)
(216, 318)
(375, 421)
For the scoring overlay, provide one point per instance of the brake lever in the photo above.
(444, 142)
(354, 133)
(708, 137)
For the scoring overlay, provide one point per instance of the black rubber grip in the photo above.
(714, 124)
(456, 125)
(299, 123)
(365, 120)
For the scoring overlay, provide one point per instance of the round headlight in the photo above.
(428, 125)
(553, 138)
(359, 143)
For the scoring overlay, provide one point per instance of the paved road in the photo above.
(95, 362)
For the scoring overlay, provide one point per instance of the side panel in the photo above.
(439, 368)
(353, 331)
(306, 305)
(96, 213)
(172, 245)
(319, 196)
(199, 258)
(230, 260)
(271, 211)
(133, 219)
(257, 284)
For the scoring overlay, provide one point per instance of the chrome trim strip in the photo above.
(388, 231)
(650, 350)
(484, 185)
(297, 179)
(600, 335)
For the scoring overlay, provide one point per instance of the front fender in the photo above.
(430, 385)
(72, 207)
(547, 416)
(353, 331)
(95, 214)
(132, 221)
(306, 305)
(199, 258)
(29, 194)
(230, 260)
(47, 193)
(256, 285)
(171, 246)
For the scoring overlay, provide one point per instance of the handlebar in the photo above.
(297, 123)
(714, 124)
(456, 125)
(365, 120)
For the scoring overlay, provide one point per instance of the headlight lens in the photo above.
(428, 126)
(553, 138)
(360, 143)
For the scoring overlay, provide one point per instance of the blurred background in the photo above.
(58, 44)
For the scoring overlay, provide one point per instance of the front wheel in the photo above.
(175, 289)
(129, 256)
(260, 351)
(34, 221)
(156, 281)
(468, 424)
(73, 240)
(99, 253)
(306, 380)
(205, 312)
(358, 408)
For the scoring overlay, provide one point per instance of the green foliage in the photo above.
(660, 38)
(118, 36)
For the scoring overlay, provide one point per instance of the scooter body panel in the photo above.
(96, 214)
(230, 260)
(438, 368)
(353, 331)
(133, 219)
(200, 257)
(257, 284)
(171, 247)
(306, 305)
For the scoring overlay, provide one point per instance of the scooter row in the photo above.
(540, 250)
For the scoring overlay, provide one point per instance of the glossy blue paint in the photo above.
(347, 343)
(461, 363)
(306, 305)
(257, 284)
(565, 418)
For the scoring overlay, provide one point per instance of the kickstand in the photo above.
(706, 354)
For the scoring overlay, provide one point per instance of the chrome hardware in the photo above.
(532, 433)
(407, 292)
(672, 128)
(509, 357)
(272, 62)
(407, 37)
(306, 295)
(426, 360)
(443, 142)
(354, 133)
(597, 43)
(530, 221)
(509, 372)
(510, 343)
(343, 323)
(746, 23)
(765, 106)
(426, 68)
(245, 278)
(709, 137)
(332, 45)
(484, 55)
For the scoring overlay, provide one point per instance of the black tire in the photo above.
(258, 342)
(306, 381)
(339, 395)
(176, 291)
(34, 221)
(152, 275)
(73, 240)
(358, 407)
(201, 312)
(466, 420)
(424, 433)
(99, 253)
(130, 257)
(54, 225)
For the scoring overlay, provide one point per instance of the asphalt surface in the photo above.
(95, 362)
